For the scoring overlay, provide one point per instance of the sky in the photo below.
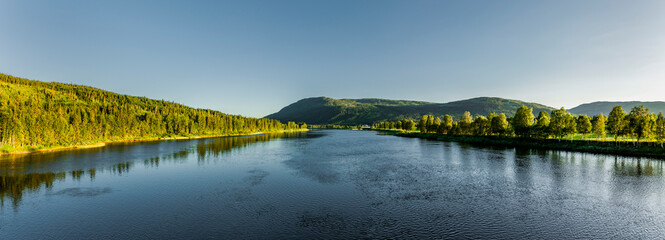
(254, 57)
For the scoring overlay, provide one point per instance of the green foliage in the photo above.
(408, 125)
(596, 108)
(435, 125)
(422, 124)
(446, 125)
(639, 122)
(464, 123)
(481, 126)
(499, 124)
(430, 124)
(659, 130)
(584, 125)
(599, 125)
(576, 145)
(562, 123)
(639, 125)
(540, 129)
(523, 120)
(616, 122)
(571, 125)
(36, 114)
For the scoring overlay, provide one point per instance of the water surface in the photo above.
(328, 184)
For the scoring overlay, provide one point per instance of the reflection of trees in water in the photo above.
(44, 157)
(624, 166)
(214, 148)
(13, 186)
(151, 162)
(176, 157)
(121, 168)
(631, 166)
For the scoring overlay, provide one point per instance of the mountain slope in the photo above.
(35, 114)
(595, 108)
(324, 110)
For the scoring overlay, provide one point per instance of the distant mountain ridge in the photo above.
(325, 110)
(594, 108)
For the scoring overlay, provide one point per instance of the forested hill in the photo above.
(35, 114)
(595, 108)
(324, 110)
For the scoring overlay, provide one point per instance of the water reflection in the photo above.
(631, 166)
(21, 174)
(333, 185)
(214, 148)
(13, 187)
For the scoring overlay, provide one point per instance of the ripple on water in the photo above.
(81, 192)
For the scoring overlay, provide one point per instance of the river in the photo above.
(333, 184)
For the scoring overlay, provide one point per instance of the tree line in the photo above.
(638, 125)
(37, 114)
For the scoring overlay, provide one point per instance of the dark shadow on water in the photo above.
(256, 177)
(81, 192)
(324, 223)
(314, 167)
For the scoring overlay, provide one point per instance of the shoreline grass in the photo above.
(102, 143)
(628, 148)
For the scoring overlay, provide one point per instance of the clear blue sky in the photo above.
(254, 57)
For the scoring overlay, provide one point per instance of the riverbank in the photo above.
(144, 139)
(603, 147)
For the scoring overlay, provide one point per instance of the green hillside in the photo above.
(595, 108)
(35, 114)
(323, 110)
